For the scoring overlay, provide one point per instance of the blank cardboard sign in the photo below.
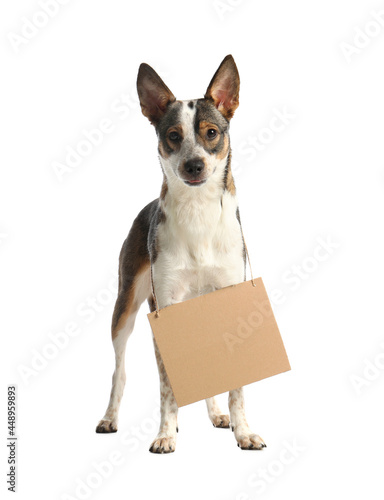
(219, 341)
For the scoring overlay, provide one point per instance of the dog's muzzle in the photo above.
(193, 172)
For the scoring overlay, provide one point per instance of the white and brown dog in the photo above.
(191, 235)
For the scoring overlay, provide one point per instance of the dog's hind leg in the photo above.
(127, 305)
(216, 416)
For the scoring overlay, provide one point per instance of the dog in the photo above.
(187, 242)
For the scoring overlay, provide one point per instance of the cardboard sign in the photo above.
(219, 341)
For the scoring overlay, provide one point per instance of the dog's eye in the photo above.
(211, 133)
(174, 136)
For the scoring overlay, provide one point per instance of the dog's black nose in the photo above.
(194, 167)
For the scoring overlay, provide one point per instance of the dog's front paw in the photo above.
(163, 444)
(249, 441)
(220, 421)
(106, 426)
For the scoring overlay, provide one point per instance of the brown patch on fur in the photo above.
(229, 183)
(223, 153)
(162, 150)
(172, 144)
(164, 188)
(166, 146)
(204, 126)
(123, 308)
(126, 304)
(134, 260)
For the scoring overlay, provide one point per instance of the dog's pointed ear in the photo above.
(224, 88)
(154, 95)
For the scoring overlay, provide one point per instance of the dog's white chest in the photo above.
(200, 250)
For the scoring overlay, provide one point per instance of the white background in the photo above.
(322, 176)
